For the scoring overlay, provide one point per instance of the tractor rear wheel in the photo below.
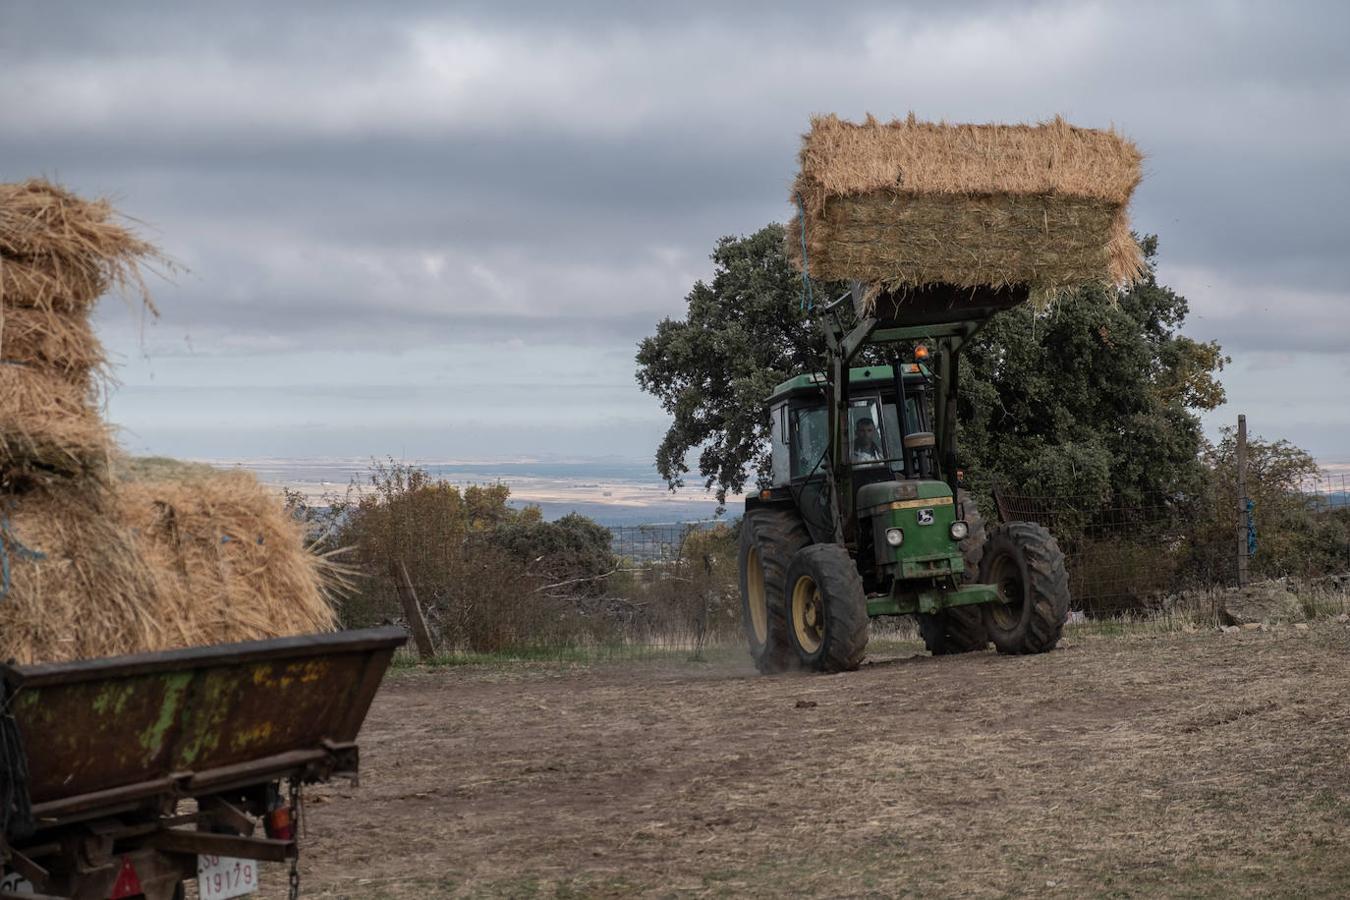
(960, 629)
(1025, 563)
(826, 609)
(769, 539)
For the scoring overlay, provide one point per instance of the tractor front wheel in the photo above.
(826, 609)
(1025, 563)
(769, 539)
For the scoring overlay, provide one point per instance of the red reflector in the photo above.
(279, 825)
(128, 883)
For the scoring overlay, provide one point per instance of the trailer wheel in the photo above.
(1025, 563)
(827, 609)
(769, 539)
(960, 629)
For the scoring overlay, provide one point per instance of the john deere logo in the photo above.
(925, 517)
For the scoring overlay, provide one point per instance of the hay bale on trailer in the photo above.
(91, 568)
(230, 559)
(58, 254)
(49, 428)
(907, 204)
(75, 585)
(59, 251)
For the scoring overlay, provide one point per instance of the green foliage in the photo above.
(1295, 534)
(1095, 396)
(573, 550)
(742, 334)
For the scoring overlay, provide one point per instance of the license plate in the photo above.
(222, 877)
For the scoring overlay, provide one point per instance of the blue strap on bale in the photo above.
(7, 538)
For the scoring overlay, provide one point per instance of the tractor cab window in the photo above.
(916, 420)
(810, 441)
(866, 447)
(913, 421)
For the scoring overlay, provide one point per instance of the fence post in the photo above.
(407, 595)
(1243, 513)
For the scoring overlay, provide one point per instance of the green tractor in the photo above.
(865, 515)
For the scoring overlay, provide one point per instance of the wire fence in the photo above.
(1131, 555)
(659, 543)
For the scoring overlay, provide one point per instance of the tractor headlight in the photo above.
(895, 536)
(960, 530)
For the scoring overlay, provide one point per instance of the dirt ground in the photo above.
(1166, 764)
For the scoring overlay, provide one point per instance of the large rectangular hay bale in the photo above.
(909, 203)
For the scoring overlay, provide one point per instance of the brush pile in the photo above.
(90, 567)
(909, 204)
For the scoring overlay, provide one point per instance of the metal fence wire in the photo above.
(1130, 555)
(659, 543)
(1125, 556)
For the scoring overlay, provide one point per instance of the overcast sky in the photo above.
(437, 230)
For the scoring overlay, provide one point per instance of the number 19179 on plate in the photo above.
(222, 877)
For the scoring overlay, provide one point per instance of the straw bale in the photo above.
(912, 203)
(79, 588)
(230, 555)
(60, 251)
(57, 344)
(50, 424)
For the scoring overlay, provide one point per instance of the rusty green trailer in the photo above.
(114, 747)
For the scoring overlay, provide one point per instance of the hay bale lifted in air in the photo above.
(230, 558)
(909, 204)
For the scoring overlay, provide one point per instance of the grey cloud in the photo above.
(345, 175)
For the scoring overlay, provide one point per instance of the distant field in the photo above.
(612, 492)
(1149, 764)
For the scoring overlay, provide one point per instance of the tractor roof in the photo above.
(866, 376)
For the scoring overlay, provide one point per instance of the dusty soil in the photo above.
(1168, 764)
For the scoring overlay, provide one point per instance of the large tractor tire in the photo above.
(826, 609)
(960, 629)
(769, 540)
(1023, 561)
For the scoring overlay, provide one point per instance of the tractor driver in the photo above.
(866, 448)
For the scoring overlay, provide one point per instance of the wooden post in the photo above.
(1243, 514)
(416, 623)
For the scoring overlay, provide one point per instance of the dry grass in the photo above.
(230, 560)
(52, 342)
(58, 251)
(49, 424)
(911, 203)
(154, 565)
(79, 586)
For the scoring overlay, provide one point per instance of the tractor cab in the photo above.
(893, 467)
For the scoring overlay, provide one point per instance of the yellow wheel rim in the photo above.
(808, 614)
(755, 600)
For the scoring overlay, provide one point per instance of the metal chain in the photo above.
(295, 826)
